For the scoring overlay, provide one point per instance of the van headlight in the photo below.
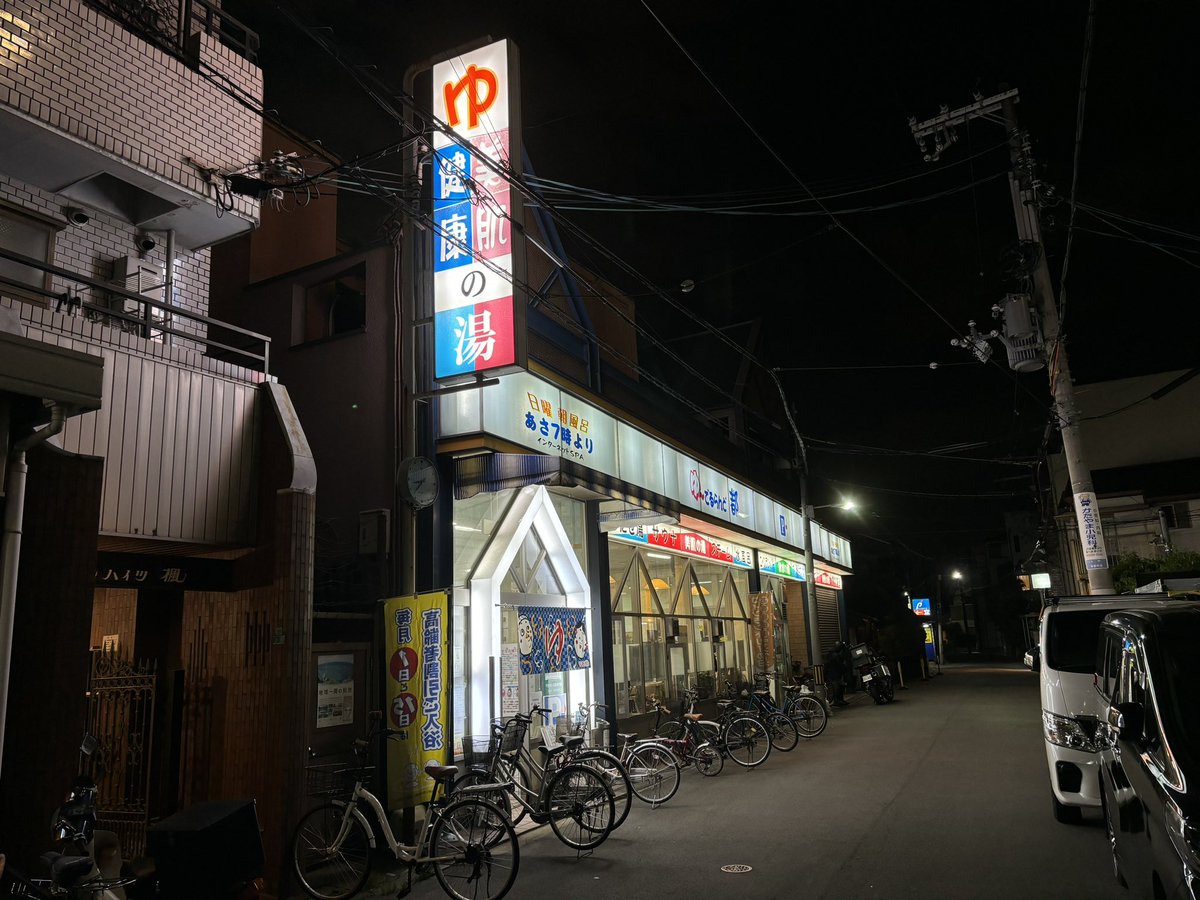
(1066, 732)
(1185, 837)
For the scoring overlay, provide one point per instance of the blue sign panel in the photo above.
(920, 605)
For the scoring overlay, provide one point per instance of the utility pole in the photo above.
(942, 129)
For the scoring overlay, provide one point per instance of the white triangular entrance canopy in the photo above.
(531, 510)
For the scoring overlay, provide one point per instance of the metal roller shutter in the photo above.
(829, 620)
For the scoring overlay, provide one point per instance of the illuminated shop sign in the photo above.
(668, 537)
(477, 325)
(920, 605)
(774, 565)
(828, 579)
(531, 412)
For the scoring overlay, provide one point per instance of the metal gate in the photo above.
(121, 717)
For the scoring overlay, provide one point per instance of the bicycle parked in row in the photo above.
(572, 797)
(685, 738)
(800, 705)
(468, 842)
(758, 703)
(651, 766)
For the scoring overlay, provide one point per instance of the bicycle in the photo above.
(573, 798)
(785, 735)
(468, 841)
(804, 707)
(736, 734)
(651, 767)
(690, 743)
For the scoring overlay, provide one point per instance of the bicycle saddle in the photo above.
(693, 717)
(441, 773)
(66, 871)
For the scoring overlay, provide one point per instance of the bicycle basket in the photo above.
(336, 779)
(513, 736)
(480, 751)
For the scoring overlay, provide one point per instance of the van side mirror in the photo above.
(1033, 658)
(1130, 720)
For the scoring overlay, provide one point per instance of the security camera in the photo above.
(77, 216)
(145, 243)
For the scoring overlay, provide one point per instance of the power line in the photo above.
(1159, 247)
(1089, 30)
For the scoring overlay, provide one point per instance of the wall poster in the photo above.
(762, 631)
(335, 690)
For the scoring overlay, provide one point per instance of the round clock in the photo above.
(417, 481)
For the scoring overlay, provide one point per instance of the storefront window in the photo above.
(573, 515)
(474, 520)
(688, 616)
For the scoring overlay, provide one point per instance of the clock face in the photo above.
(420, 482)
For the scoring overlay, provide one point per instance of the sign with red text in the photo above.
(827, 579)
(478, 325)
(668, 537)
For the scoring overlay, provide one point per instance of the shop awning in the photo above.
(500, 471)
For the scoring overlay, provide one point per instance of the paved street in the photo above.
(942, 794)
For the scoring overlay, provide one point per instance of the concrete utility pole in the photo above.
(941, 129)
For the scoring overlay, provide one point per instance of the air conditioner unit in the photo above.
(135, 274)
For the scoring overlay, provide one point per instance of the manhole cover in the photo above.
(737, 868)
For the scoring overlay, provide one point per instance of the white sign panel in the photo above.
(640, 459)
(477, 325)
(1091, 534)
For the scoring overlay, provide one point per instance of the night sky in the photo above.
(612, 104)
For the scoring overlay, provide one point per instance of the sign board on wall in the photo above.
(828, 579)
(775, 565)
(1091, 534)
(532, 412)
(920, 605)
(669, 537)
(335, 690)
(478, 325)
(418, 677)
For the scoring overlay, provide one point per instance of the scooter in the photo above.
(877, 678)
(88, 864)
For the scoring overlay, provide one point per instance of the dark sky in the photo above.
(613, 105)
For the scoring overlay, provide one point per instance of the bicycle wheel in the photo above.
(580, 807)
(326, 871)
(709, 760)
(671, 731)
(747, 742)
(613, 771)
(474, 851)
(512, 770)
(784, 734)
(809, 715)
(653, 773)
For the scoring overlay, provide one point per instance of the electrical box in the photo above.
(374, 532)
(1022, 334)
(135, 274)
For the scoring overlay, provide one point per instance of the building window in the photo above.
(678, 623)
(29, 236)
(335, 306)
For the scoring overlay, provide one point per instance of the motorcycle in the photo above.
(875, 674)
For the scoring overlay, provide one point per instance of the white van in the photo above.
(1066, 659)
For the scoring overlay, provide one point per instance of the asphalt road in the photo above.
(942, 794)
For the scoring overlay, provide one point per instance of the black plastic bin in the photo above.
(202, 851)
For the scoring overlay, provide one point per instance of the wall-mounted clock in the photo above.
(417, 481)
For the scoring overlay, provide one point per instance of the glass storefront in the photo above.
(541, 569)
(678, 623)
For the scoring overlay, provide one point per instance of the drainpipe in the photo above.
(10, 555)
(169, 284)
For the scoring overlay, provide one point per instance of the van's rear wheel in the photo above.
(1068, 815)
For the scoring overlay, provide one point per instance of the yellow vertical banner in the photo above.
(418, 680)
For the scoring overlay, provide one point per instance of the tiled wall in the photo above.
(73, 68)
(91, 249)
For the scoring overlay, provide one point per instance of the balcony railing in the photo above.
(169, 23)
(144, 316)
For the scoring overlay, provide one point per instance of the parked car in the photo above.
(1071, 710)
(1149, 771)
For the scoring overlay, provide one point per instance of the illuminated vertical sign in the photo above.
(478, 324)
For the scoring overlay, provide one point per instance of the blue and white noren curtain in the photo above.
(552, 639)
